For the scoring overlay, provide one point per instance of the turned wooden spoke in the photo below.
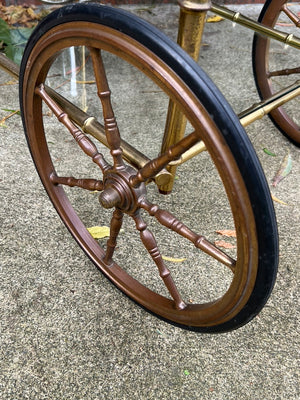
(83, 141)
(151, 246)
(115, 227)
(171, 222)
(110, 123)
(156, 165)
(88, 184)
(292, 16)
(284, 72)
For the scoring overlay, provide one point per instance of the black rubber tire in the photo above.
(269, 15)
(223, 116)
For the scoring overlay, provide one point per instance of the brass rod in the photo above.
(259, 110)
(9, 66)
(190, 153)
(240, 19)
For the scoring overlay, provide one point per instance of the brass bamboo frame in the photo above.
(191, 25)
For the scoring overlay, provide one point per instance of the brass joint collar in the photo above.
(195, 5)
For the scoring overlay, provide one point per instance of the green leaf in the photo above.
(4, 31)
(15, 40)
(12, 111)
(19, 36)
(269, 152)
(17, 54)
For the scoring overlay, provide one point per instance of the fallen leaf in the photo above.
(269, 152)
(284, 169)
(214, 18)
(21, 15)
(146, 9)
(16, 25)
(99, 232)
(279, 201)
(227, 232)
(86, 82)
(12, 82)
(2, 121)
(12, 111)
(178, 260)
(226, 245)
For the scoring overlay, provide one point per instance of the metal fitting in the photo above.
(195, 5)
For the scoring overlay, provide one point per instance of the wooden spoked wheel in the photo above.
(276, 65)
(162, 251)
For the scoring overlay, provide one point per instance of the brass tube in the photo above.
(257, 111)
(190, 153)
(240, 19)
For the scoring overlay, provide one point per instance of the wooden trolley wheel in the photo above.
(276, 65)
(213, 289)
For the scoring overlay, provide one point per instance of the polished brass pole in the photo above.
(257, 111)
(240, 19)
(191, 25)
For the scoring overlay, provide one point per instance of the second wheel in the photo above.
(276, 65)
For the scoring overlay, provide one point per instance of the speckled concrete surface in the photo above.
(67, 333)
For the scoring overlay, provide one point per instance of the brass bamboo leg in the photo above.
(191, 25)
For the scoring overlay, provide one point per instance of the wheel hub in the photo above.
(118, 192)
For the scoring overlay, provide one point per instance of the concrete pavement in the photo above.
(67, 333)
